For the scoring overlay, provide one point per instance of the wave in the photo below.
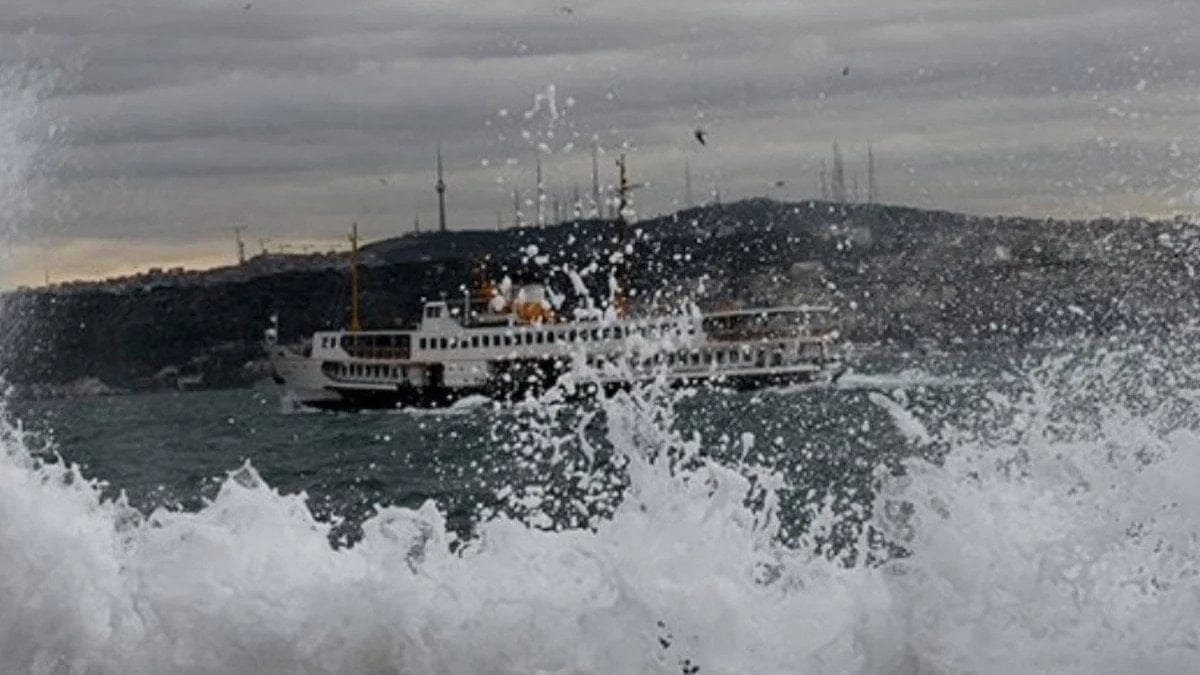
(1058, 534)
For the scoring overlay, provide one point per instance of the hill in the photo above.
(897, 274)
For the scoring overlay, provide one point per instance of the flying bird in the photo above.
(248, 5)
(779, 183)
(701, 136)
(383, 181)
(845, 71)
(566, 10)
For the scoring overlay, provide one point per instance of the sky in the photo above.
(145, 130)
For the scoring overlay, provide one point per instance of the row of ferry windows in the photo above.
(539, 337)
(380, 372)
(745, 356)
(694, 358)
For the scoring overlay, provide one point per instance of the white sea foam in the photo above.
(1060, 533)
(1036, 545)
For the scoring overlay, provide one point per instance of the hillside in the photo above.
(897, 274)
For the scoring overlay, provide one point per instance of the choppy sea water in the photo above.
(1030, 513)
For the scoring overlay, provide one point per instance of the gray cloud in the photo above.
(182, 115)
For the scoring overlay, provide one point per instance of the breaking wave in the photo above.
(1060, 533)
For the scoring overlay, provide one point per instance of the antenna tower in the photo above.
(440, 186)
(241, 245)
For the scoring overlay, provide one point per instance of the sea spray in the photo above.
(1055, 530)
(1061, 532)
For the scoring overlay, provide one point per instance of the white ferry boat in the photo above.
(504, 342)
(505, 347)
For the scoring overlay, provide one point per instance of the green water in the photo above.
(174, 449)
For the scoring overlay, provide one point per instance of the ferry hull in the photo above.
(306, 386)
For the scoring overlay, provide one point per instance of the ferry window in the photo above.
(475, 341)
(720, 357)
(404, 372)
(550, 337)
(433, 312)
(529, 338)
(595, 334)
(541, 338)
(442, 343)
(422, 343)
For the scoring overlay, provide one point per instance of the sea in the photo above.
(1015, 510)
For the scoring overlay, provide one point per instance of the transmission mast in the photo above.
(241, 245)
(440, 186)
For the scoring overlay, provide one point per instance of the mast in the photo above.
(241, 245)
(687, 184)
(517, 208)
(824, 183)
(872, 187)
(621, 273)
(440, 186)
(596, 180)
(355, 323)
(839, 175)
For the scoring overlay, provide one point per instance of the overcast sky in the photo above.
(176, 119)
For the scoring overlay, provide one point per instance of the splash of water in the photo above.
(1061, 534)
(1058, 533)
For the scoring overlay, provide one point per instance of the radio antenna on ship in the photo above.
(621, 273)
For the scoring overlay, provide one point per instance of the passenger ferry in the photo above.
(504, 342)
(460, 351)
